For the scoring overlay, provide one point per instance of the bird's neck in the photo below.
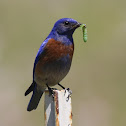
(65, 39)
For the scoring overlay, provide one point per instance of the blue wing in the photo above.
(39, 54)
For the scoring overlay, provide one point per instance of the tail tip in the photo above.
(30, 109)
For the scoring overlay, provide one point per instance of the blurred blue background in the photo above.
(98, 73)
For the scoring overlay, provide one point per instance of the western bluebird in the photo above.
(53, 59)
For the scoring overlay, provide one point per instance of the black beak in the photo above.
(74, 26)
(78, 25)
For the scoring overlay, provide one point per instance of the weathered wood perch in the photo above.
(58, 110)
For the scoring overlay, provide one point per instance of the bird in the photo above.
(53, 60)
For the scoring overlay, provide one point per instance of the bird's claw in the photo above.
(51, 92)
(69, 93)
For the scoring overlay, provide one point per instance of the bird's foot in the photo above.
(51, 92)
(69, 93)
(66, 90)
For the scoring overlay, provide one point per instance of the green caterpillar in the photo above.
(84, 29)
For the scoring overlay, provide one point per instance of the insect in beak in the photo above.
(84, 29)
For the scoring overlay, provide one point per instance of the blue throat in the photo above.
(66, 39)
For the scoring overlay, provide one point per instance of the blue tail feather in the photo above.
(36, 96)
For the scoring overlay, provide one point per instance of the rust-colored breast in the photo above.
(53, 51)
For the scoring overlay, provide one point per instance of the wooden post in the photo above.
(58, 110)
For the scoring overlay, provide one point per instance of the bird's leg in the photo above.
(51, 92)
(66, 89)
(61, 86)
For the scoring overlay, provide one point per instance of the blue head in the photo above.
(65, 26)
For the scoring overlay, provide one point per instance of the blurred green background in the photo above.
(98, 73)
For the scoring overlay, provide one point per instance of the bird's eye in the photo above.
(66, 23)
